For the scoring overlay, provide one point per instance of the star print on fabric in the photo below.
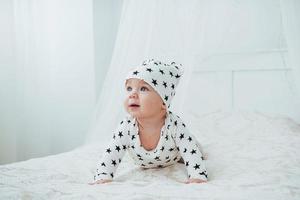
(128, 121)
(132, 147)
(143, 165)
(165, 84)
(168, 126)
(149, 70)
(135, 72)
(154, 82)
(121, 122)
(118, 148)
(166, 98)
(132, 137)
(114, 137)
(113, 162)
(203, 173)
(184, 150)
(171, 74)
(171, 149)
(108, 150)
(187, 163)
(167, 137)
(128, 133)
(162, 148)
(173, 86)
(161, 71)
(124, 147)
(175, 123)
(197, 166)
(190, 138)
(193, 151)
(103, 164)
(181, 136)
(150, 163)
(183, 124)
(112, 175)
(120, 134)
(155, 63)
(119, 160)
(177, 76)
(175, 159)
(167, 157)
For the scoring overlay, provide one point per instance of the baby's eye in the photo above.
(128, 88)
(144, 89)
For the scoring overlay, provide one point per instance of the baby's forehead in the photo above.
(136, 81)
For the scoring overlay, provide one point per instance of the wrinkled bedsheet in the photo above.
(250, 156)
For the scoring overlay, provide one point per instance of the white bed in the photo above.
(250, 156)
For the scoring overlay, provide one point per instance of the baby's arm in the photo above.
(112, 155)
(191, 153)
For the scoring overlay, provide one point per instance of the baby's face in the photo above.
(142, 100)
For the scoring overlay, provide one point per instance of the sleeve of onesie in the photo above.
(190, 151)
(113, 153)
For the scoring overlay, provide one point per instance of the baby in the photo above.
(152, 135)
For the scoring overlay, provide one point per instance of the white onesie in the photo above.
(175, 143)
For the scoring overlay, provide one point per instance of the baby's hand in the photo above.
(195, 180)
(100, 182)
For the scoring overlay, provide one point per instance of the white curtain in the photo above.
(170, 30)
(290, 10)
(55, 84)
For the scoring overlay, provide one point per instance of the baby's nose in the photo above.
(133, 94)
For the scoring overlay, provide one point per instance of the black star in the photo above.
(171, 74)
(141, 159)
(103, 173)
(203, 173)
(132, 137)
(175, 159)
(181, 136)
(149, 70)
(119, 160)
(161, 71)
(197, 166)
(135, 72)
(128, 121)
(190, 138)
(187, 163)
(162, 148)
(175, 123)
(172, 63)
(138, 155)
(121, 122)
(167, 157)
(155, 63)
(177, 148)
(173, 86)
(177, 76)
(120, 134)
(143, 165)
(112, 175)
(150, 163)
(132, 146)
(183, 124)
(167, 137)
(166, 98)
(184, 150)
(168, 126)
(118, 148)
(113, 162)
(114, 137)
(157, 158)
(124, 147)
(165, 84)
(108, 150)
(103, 164)
(193, 151)
(154, 82)
(171, 149)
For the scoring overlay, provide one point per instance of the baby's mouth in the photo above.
(133, 105)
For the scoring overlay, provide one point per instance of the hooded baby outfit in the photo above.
(176, 142)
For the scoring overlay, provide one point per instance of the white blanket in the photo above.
(250, 156)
